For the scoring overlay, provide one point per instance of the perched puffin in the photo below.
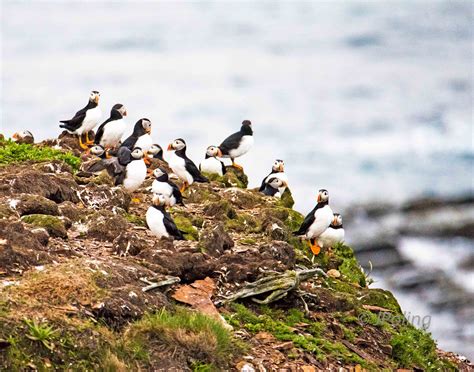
(278, 171)
(162, 185)
(182, 166)
(211, 164)
(85, 119)
(140, 137)
(273, 186)
(110, 132)
(156, 152)
(238, 144)
(96, 164)
(25, 136)
(131, 169)
(333, 234)
(317, 221)
(159, 221)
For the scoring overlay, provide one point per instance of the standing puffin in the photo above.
(162, 185)
(273, 187)
(110, 132)
(317, 221)
(140, 137)
(333, 234)
(85, 119)
(238, 144)
(131, 169)
(159, 221)
(211, 164)
(182, 166)
(278, 170)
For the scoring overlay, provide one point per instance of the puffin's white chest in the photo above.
(154, 220)
(91, 120)
(165, 189)
(144, 142)
(211, 165)
(113, 132)
(245, 145)
(330, 237)
(323, 217)
(178, 165)
(136, 173)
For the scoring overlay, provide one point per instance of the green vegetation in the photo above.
(186, 226)
(54, 225)
(42, 333)
(13, 153)
(134, 219)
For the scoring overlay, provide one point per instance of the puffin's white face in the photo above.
(137, 153)
(337, 220)
(278, 166)
(158, 173)
(154, 149)
(97, 150)
(159, 199)
(22, 134)
(177, 144)
(323, 195)
(122, 110)
(213, 151)
(94, 96)
(146, 124)
(276, 182)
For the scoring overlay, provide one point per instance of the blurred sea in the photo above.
(372, 101)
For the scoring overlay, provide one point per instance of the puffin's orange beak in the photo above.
(319, 198)
(334, 221)
(15, 136)
(281, 168)
(148, 130)
(125, 113)
(219, 153)
(96, 99)
(170, 147)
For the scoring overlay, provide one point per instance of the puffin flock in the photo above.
(127, 161)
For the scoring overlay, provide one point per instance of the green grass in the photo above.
(42, 333)
(13, 153)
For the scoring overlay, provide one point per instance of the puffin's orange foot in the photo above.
(184, 187)
(82, 145)
(237, 166)
(315, 248)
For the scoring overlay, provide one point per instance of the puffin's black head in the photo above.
(337, 220)
(213, 151)
(142, 127)
(159, 200)
(160, 174)
(275, 182)
(278, 166)
(246, 127)
(94, 97)
(97, 150)
(156, 151)
(323, 196)
(118, 111)
(177, 144)
(137, 153)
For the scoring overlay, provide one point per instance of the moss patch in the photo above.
(186, 226)
(244, 222)
(54, 225)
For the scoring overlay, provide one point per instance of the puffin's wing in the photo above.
(76, 121)
(264, 183)
(130, 142)
(230, 143)
(308, 221)
(270, 191)
(120, 177)
(100, 132)
(224, 169)
(194, 171)
(176, 193)
(171, 227)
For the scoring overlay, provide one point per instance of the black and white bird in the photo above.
(278, 171)
(182, 166)
(317, 221)
(85, 119)
(238, 144)
(127, 169)
(163, 185)
(273, 186)
(159, 221)
(140, 137)
(111, 131)
(23, 137)
(156, 152)
(333, 234)
(211, 164)
(97, 163)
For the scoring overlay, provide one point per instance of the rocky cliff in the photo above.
(85, 286)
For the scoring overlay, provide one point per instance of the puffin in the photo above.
(162, 185)
(333, 234)
(273, 187)
(211, 164)
(140, 137)
(156, 152)
(23, 137)
(128, 168)
(84, 120)
(278, 170)
(182, 166)
(238, 144)
(111, 131)
(317, 221)
(159, 221)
